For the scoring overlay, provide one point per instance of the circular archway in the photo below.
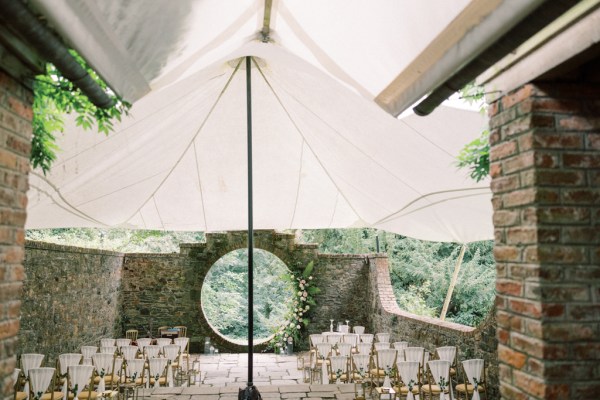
(225, 296)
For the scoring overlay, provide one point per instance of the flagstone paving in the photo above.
(275, 376)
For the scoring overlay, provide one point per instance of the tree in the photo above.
(54, 96)
(476, 155)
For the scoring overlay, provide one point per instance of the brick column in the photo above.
(15, 146)
(545, 171)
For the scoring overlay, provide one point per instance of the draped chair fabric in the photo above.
(360, 367)
(344, 349)
(157, 371)
(408, 372)
(80, 376)
(338, 368)
(364, 348)
(383, 337)
(143, 342)
(39, 381)
(440, 373)
(474, 371)
(129, 352)
(366, 337)
(28, 361)
(107, 342)
(87, 352)
(359, 330)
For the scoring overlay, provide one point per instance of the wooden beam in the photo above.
(266, 30)
(453, 282)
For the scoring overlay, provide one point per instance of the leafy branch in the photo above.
(55, 96)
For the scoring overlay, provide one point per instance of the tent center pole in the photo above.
(250, 225)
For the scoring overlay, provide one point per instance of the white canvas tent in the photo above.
(325, 154)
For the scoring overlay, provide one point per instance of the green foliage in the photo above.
(225, 295)
(54, 96)
(476, 155)
(421, 270)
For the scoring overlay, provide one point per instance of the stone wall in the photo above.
(386, 316)
(545, 167)
(15, 146)
(70, 298)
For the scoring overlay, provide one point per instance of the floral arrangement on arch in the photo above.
(297, 317)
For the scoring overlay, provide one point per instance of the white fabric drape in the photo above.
(129, 352)
(474, 369)
(157, 368)
(408, 371)
(80, 376)
(40, 379)
(440, 370)
(28, 361)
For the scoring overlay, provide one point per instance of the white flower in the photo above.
(298, 326)
(303, 282)
(310, 278)
(291, 324)
(305, 294)
(300, 293)
(307, 307)
(301, 287)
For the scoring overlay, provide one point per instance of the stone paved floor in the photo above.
(275, 376)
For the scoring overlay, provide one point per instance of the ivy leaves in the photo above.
(55, 96)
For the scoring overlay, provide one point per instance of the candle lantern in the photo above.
(359, 390)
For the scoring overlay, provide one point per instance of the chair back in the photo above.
(409, 371)
(162, 342)
(383, 337)
(360, 364)
(381, 345)
(15, 375)
(440, 370)
(366, 338)
(316, 338)
(135, 368)
(182, 342)
(344, 328)
(344, 349)
(171, 351)
(107, 342)
(386, 359)
(447, 353)
(131, 334)
(143, 342)
(334, 339)
(182, 330)
(129, 352)
(323, 350)
(66, 360)
(79, 376)
(359, 330)
(87, 351)
(151, 351)
(156, 366)
(123, 342)
(31, 360)
(400, 345)
(350, 338)
(364, 348)
(339, 364)
(414, 354)
(473, 370)
(39, 381)
(108, 349)
(103, 362)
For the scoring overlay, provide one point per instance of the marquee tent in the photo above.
(323, 155)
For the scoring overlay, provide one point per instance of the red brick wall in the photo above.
(15, 139)
(546, 181)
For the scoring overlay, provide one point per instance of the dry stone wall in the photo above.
(71, 298)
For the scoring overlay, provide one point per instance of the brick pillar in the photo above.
(15, 146)
(545, 171)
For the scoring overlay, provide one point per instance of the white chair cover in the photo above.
(400, 345)
(80, 376)
(39, 380)
(129, 352)
(182, 342)
(366, 337)
(414, 354)
(171, 352)
(123, 342)
(364, 348)
(359, 329)
(118, 366)
(334, 339)
(135, 368)
(447, 353)
(361, 364)
(107, 342)
(440, 370)
(29, 361)
(323, 350)
(344, 349)
(108, 349)
(474, 370)
(87, 352)
(143, 342)
(156, 368)
(408, 371)
(381, 345)
(316, 338)
(151, 351)
(383, 337)
(162, 342)
(64, 362)
(426, 356)
(350, 338)
(345, 328)
(15, 375)
(103, 363)
(338, 364)
(386, 359)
